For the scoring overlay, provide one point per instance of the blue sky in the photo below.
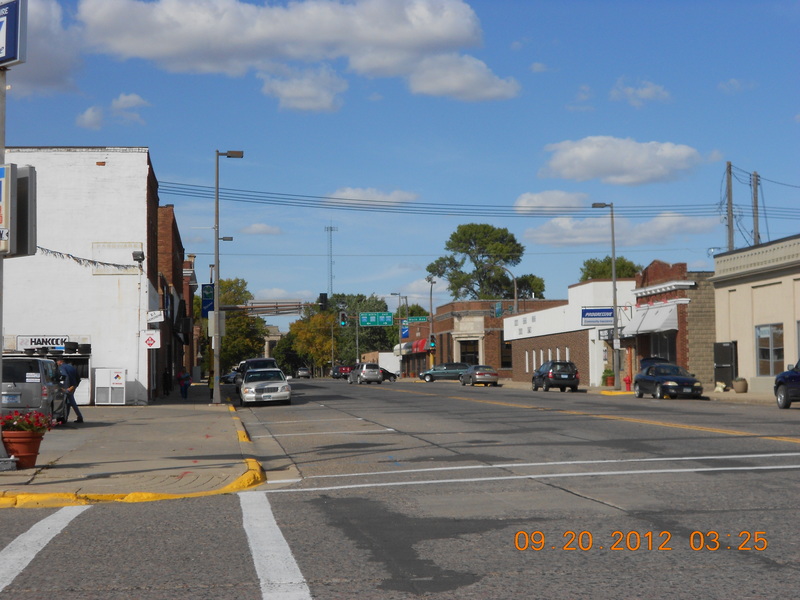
(525, 110)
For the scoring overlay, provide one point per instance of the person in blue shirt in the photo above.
(71, 381)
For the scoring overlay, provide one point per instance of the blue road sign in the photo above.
(207, 304)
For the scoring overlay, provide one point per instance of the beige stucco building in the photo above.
(757, 298)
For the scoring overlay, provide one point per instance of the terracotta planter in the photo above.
(610, 381)
(24, 445)
(740, 386)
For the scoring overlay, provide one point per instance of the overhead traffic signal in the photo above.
(323, 302)
(343, 318)
(432, 344)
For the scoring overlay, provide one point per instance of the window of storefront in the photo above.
(662, 344)
(469, 352)
(769, 349)
(505, 353)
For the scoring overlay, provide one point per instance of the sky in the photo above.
(372, 129)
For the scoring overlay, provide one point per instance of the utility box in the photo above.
(109, 386)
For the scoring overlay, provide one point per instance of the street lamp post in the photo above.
(217, 339)
(516, 295)
(615, 330)
(430, 280)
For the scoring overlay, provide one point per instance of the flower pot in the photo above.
(610, 381)
(740, 386)
(24, 445)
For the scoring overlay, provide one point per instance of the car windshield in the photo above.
(264, 376)
(672, 371)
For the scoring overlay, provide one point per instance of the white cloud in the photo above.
(377, 38)
(619, 161)
(312, 90)
(660, 230)
(735, 86)
(374, 195)
(636, 96)
(123, 104)
(538, 67)
(530, 202)
(91, 118)
(260, 229)
(460, 77)
(53, 55)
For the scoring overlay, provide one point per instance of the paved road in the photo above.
(440, 491)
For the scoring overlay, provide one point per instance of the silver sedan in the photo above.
(479, 374)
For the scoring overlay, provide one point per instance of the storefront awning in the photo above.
(406, 348)
(649, 319)
(420, 345)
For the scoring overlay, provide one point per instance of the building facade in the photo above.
(557, 331)
(97, 277)
(757, 298)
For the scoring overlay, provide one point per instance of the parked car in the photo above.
(228, 377)
(479, 374)
(341, 371)
(304, 372)
(561, 374)
(365, 373)
(253, 363)
(388, 375)
(665, 379)
(787, 386)
(32, 384)
(451, 370)
(265, 385)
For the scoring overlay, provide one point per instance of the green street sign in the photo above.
(417, 319)
(376, 319)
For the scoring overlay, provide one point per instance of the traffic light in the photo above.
(323, 302)
(343, 318)
(432, 344)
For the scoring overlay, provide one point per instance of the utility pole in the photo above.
(728, 177)
(756, 235)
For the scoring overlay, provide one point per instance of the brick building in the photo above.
(673, 319)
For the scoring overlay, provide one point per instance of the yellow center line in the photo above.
(733, 432)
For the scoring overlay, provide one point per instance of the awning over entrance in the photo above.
(420, 345)
(649, 319)
(406, 348)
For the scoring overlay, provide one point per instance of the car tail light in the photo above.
(550, 375)
(45, 393)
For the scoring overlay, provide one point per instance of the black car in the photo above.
(388, 375)
(341, 371)
(561, 374)
(665, 379)
(228, 377)
(787, 386)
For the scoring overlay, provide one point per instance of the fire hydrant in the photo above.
(627, 380)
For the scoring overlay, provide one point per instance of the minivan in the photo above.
(32, 384)
(365, 373)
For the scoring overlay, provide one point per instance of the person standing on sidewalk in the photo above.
(184, 381)
(71, 382)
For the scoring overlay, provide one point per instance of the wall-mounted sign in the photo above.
(13, 32)
(597, 316)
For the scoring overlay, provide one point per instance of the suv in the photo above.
(562, 374)
(444, 371)
(787, 386)
(32, 384)
(252, 363)
(365, 372)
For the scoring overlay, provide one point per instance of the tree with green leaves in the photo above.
(490, 251)
(594, 268)
(244, 334)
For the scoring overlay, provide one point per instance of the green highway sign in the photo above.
(417, 319)
(376, 319)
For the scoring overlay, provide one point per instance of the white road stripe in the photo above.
(563, 462)
(19, 553)
(307, 421)
(540, 476)
(384, 430)
(277, 570)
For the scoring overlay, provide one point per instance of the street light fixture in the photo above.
(217, 339)
(430, 280)
(615, 330)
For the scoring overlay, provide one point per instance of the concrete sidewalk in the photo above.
(172, 448)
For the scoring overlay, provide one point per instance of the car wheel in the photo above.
(349, 380)
(563, 389)
(782, 397)
(380, 381)
(393, 379)
(573, 389)
(637, 391)
(545, 387)
(659, 393)
(428, 378)
(495, 384)
(534, 387)
(471, 382)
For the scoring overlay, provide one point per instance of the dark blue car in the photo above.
(787, 386)
(664, 379)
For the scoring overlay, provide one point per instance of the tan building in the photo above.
(757, 298)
